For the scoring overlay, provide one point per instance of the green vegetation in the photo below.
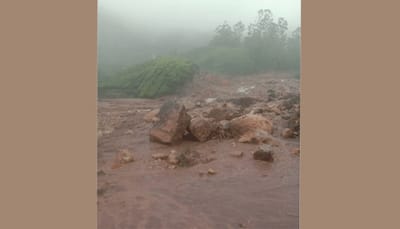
(158, 77)
(237, 49)
(265, 47)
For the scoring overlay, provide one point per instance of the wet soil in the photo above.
(148, 193)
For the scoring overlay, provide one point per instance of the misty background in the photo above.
(133, 31)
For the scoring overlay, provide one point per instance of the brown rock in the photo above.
(151, 116)
(236, 154)
(287, 133)
(296, 151)
(211, 171)
(252, 128)
(264, 153)
(201, 128)
(172, 124)
(161, 156)
(173, 157)
(224, 112)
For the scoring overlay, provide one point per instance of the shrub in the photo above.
(158, 77)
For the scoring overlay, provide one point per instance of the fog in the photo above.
(131, 31)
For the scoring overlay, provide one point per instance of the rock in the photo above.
(125, 156)
(201, 128)
(296, 151)
(244, 102)
(224, 125)
(173, 157)
(188, 158)
(129, 132)
(161, 156)
(210, 100)
(287, 133)
(224, 112)
(211, 171)
(172, 124)
(294, 121)
(172, 167)
(264, 153)
(236, 154)
(251, 128)
(101, 173)
(152, 116)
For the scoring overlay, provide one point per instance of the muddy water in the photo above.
(243, 193)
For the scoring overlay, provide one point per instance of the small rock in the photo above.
(211, 171)
(101, 173)
(173, 157)
(296, 151)
(125, 157)
(210, 100)
(161, 156)
(129, 132)
(287, 133)
(236, 154)
(264, 153)
(172, 167)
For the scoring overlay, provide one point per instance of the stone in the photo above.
(161, 156)
(172, 124)
(252, 128)
(125, 157)
(151, 116)
(173, 157)
(264, 153)
(287, 133)
(211, 171)
(296, 151)
(201, 128)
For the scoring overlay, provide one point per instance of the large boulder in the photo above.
(251, 126)
(201, 128)
(172, 124)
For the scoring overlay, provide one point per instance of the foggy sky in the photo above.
(201, 15)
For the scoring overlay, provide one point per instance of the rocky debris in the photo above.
(211, 171)
(296, 151)
(224, 124)
(201, 128)
(244, 102)
(101, 173)
(173, 157)
(294, 121)
(122, 157)
(210, 100)
(188, 158)
(245, 90)
(152, 116)
(126, 157)
(264, 153)
(237, 154)
(224, 112)
(287, 133)
(251, 128)
(172, 124)
(160, 156)
(130, 132)
(257, 137)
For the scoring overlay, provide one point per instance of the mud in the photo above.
(243, 192)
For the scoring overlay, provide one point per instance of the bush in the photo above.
(158, 77)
